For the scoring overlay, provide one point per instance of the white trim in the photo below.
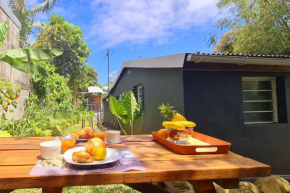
(273, 101)
(258, 101)
(257, 90)
(258, 111)
(274, 97)
(258, 78)
(248, 123)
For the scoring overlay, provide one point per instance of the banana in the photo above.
(187, 123)
(173, 125)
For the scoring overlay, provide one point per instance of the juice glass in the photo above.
(67, 143)
(100, 134)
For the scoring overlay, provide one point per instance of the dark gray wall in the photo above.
(214, 101)
(160, 85)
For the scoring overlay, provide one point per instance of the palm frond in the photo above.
(3, 31)
(43, 7)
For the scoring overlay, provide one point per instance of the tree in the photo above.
(253, 27)
(26, 60)
(26, 16)
(65, 36)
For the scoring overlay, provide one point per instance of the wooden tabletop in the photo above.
(19, 155)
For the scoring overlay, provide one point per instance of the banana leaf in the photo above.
(3, 31)
(118, 110)
(25, 59)
(130, 104)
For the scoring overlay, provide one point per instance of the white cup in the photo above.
(113, 136)
(50, 149)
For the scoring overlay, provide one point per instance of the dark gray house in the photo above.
(242, 99)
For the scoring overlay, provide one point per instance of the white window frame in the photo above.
(274, 98)
(139, 88)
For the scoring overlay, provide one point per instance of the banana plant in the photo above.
(127, 109)
(26, 60)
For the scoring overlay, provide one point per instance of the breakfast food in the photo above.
(92, 143)
(179, 131)
(84, 133)
(82, 157)
(163, 133)
(76, 133)
(99, 153)
(187, 124)
(173, 125)
(89, 132)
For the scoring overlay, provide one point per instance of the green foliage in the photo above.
(25, 59)
(127, 109)
(253, 27)
(3, 31)
(5, 134)
(167, 111)
(26, 16)
(8, 96)
(72, 63)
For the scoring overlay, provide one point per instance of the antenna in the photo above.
(108, 54)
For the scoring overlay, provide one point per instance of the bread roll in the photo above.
(82, 157)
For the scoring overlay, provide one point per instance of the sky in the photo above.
(133, 29)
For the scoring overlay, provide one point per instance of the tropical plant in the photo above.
(253, 27)
(26, 16)
(26, 60)
(72, 64)
(8, 97)
(127, 109)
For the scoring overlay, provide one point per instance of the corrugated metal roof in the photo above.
(177, 60)
(244, 55)
(95, 89)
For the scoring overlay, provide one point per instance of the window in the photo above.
(259, 100)
(139, 94)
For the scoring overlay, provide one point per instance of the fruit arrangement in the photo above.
(95, 151)
(177, 131)
(177, 128)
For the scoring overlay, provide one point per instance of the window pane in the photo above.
(257, 95)
(257, 85)
(264, 106)
(258, 117)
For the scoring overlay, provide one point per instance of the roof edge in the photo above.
(240, 60)
(10, 14)
(172, 61)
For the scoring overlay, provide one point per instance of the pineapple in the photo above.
(169, 113)
(179, 117)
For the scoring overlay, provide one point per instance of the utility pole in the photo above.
(108, 54)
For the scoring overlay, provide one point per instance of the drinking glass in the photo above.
(67, 143)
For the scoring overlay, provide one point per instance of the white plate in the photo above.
(112, 156)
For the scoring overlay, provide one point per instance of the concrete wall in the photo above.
(214, 101)
(160, 85)
(6, 71)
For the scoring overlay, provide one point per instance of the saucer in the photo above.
(113, 142)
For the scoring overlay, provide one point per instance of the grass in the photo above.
(115, 188)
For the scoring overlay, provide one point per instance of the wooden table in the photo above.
(19, 155)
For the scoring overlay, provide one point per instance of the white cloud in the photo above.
(140, 21)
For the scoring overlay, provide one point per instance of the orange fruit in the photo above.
(163, 133)
(92, 143)
(99, 153)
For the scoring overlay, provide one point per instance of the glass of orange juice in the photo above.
(100, 134)
(67, 143)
